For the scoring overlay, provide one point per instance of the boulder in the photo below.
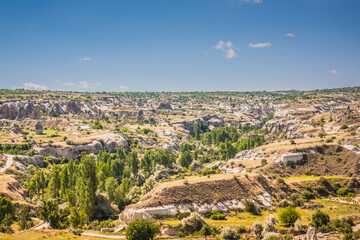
(38, 128)
(119, 228)
(140, 116)
(290, 158)
(56, 110)
(106, 230)
(16, 129)
(311, 233)
(165, 106)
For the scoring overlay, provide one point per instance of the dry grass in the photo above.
(50, 235)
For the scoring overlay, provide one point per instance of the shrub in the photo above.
(193, 223)
(288, 216)
(229, 233)
(7, 211)
(258, 228)
(97, 125)
(250, 207)
(320, 218)
(141, 229)
(344, 126)
(241, 229)
(307, 195)
(218, 216)
(272, 236)
(205, 231)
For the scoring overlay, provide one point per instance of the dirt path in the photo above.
(9, 161)
(90, 234)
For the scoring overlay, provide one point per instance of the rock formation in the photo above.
(38, 128)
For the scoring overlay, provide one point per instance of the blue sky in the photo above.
(173, 45)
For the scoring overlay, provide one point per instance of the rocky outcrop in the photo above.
(311, 233)
(36, 160)
(38, 128)
(140, 117)
(110, 143)
(219, 195)
(132, 214)
(290, 158)
(211, 120)
(16, 129)
(352, 148)
(56, 110)
(165, 106)
(19, 110)
(288, 128)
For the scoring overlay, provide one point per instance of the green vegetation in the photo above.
(141, 229)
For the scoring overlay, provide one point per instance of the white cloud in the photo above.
(227, 48)
(85, 59)
(333, 72)
(68, 84)
(82, 84)
(220, 45)
(252, 1)
(34, 86)
(230, 53)
(86, 84)
(291, 35)
(259, 45)
(123, 88)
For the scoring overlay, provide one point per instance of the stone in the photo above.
(290, 158)
(140, 117)
(311, 233)
(38, 128)
(165, 106)
(106, 230)
(16, 129)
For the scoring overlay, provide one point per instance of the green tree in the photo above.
(227, 151)
(64, 175)
(7, 211)
(141, 229)
(55, 181)
(197, 130)
(320, 218)
(24, 217)
(185, 159)
(49, 212)
(134, 163)
(87, 186)
(288, 216)
(110, 187)
(205, 231)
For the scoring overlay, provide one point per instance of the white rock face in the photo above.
(290, 158)
(249, 155)
(132, 214)
(352, 148)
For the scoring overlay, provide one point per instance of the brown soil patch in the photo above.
(209, 192)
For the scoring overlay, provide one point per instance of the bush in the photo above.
(241, 229)
(229, 233)
(344, 126)
(320, 218)
(272, 236)
(307, 195)
(141, 229)
(250, 207)
(258, 228)
(215, 215)
(205, 231)
(288, 216)
(193, 223)
(7, 212)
